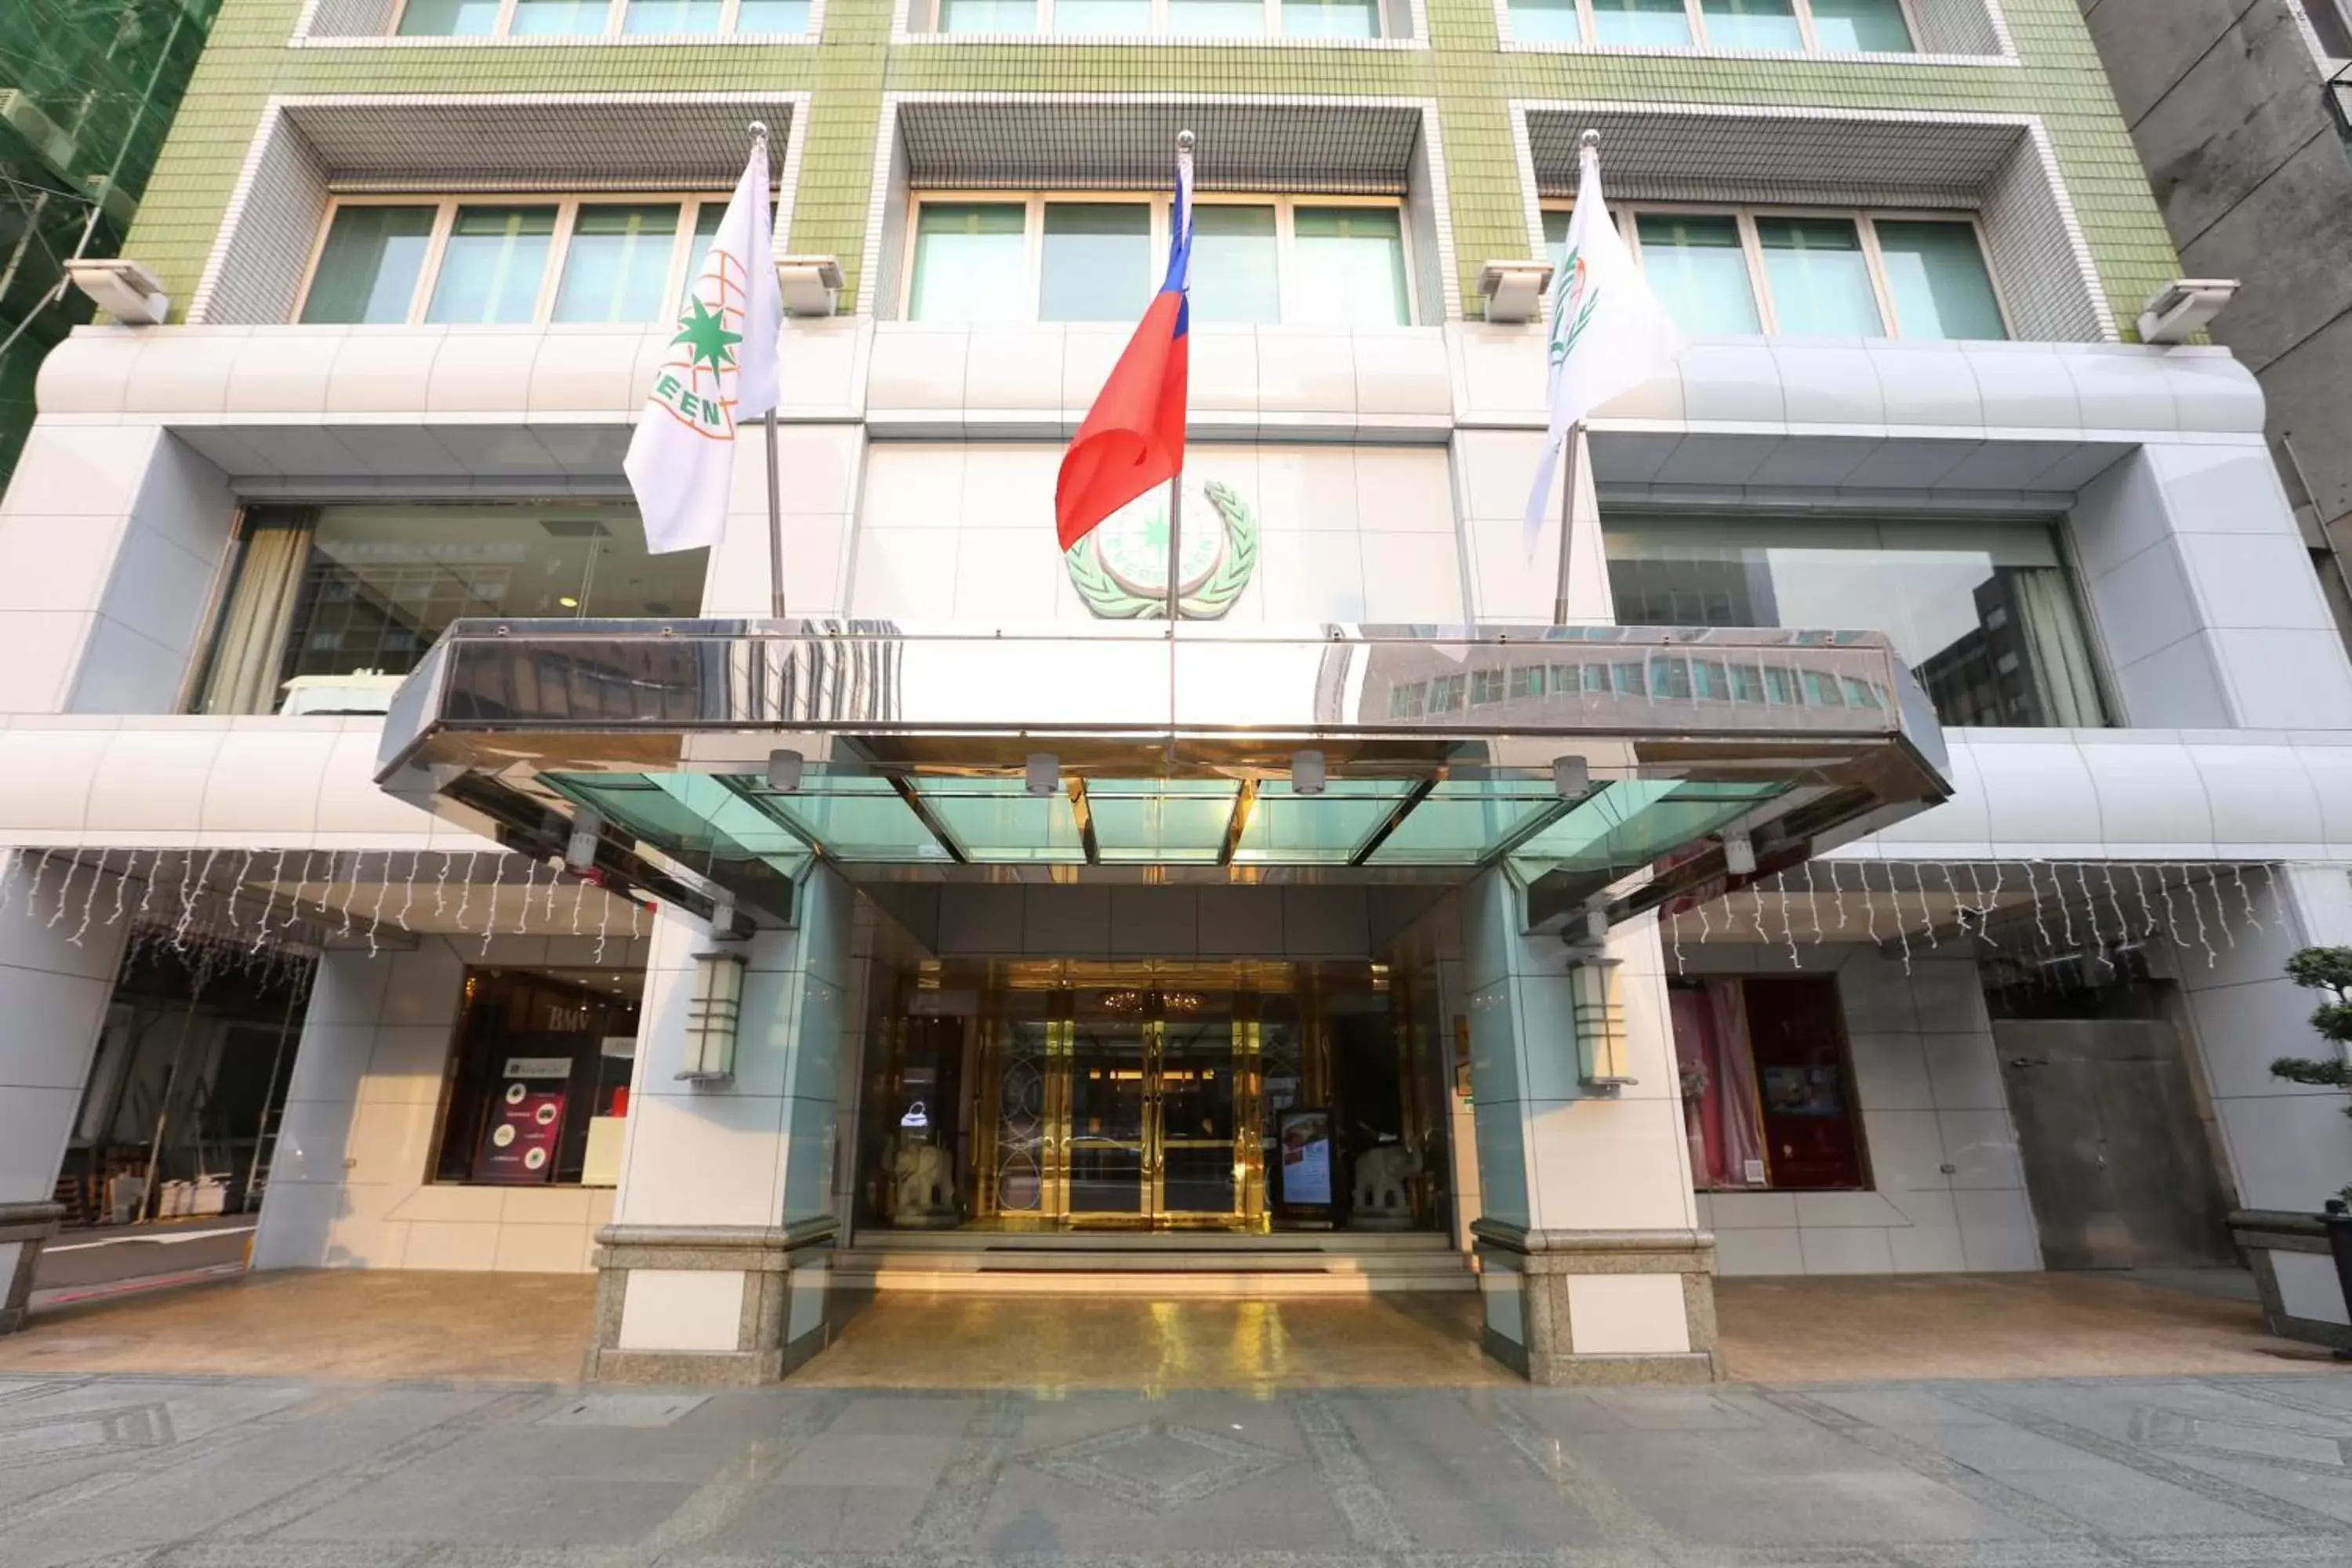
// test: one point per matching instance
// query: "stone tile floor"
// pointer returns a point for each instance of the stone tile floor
(219, 1472)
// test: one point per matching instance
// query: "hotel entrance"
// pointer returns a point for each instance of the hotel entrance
(1070, 1095)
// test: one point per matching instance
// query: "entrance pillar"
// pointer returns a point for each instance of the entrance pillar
(1594, 1268)
(717, 1266)
(53, 992)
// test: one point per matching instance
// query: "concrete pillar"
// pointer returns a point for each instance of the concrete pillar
(53, 992)
(717, 1264)
(1595, 1267)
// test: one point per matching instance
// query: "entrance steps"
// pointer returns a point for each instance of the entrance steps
(1155, 1263)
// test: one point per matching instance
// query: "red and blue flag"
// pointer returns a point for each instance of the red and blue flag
(1133, 437)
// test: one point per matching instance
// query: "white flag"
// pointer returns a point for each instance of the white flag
(1609, 333)
(720, 371)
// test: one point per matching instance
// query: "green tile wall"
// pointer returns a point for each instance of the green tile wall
(2060, 80)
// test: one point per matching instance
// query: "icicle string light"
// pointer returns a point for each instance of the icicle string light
(65, 887)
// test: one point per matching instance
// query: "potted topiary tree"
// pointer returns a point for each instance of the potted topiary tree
(2292, 1281)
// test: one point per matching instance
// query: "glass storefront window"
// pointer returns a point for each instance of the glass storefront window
(970, 263)
(1937, 275)
(1698, 269)
(492, 265)
(1097, 261)
(538, 1091)
(1767, 1096)
(618, 260)
(322, 595)
(1351, 266)
(1752, 24)
(367, 272)
(1818, 275)
(1982, 612)
(1236, 264)
(1872, 27)
(1659, 23)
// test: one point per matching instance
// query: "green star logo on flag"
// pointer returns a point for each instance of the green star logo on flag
(706, 337)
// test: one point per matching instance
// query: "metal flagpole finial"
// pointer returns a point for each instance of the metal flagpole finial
(1590, 141)
(1183, 141)
(760, 130)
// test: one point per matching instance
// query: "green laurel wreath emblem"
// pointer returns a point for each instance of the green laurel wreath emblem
(1110, 602)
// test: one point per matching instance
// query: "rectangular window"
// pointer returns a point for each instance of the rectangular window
(1097, 262)
(1752, 24)
(1123, 18)
(1936, 279)
(368, 270)
(461, 262)
(597, 18)
(970, 263)
(1216, 18)
(1351, 267)
(492, 265)
(1819, 278)
(559, 18)
(1331, 18)
(1236, 272)
(1860, 26)
(1046, 258)
(615, 267)
(450, 18)
(1734, 273)
(539, 1089)
(1982, 612)
(1766, 1091)
(987, 16)
(672, 17)
(1698, 269)
(327, 607)
(1823, 26)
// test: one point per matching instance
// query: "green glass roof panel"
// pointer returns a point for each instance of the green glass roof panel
(1286, 828)
(852, 817)
(1634, 822)
(1465, 820)
(685, 815)
(1161, 821)
(998, 822)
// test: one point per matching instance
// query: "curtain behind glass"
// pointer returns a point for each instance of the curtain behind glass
(2061, 660)
(250, 643)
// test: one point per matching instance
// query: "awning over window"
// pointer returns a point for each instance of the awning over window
(1581, 758)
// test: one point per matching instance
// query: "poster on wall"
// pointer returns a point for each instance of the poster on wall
(526, 1123)
(1307, 1158)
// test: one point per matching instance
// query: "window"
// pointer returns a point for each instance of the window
(1821, 26)
(1982, 612)
(586, 260)
(1051, 258)
(1809, 275)
(599, 19)
(539, 1092)
(1768, 1094)
(327, 607)
(1171, 18)
(2331, 24)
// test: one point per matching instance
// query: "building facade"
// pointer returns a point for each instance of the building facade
(1886, 863)
(2258, 203)
(87, 97)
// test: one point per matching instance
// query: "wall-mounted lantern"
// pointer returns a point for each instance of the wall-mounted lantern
(714, 1012)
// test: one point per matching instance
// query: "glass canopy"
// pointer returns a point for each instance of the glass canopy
(1422, 822)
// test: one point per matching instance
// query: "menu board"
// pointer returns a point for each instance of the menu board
(526, 1124)
(1305, 1137)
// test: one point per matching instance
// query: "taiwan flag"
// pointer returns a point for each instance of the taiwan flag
(1133, 438)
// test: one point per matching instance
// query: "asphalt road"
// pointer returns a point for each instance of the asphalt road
(181, 1472)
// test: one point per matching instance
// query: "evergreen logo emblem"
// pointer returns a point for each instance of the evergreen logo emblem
(696, 383)
(1120, 569)
(1573, 301)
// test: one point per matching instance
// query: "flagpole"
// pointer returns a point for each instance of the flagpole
(1176, 484)
(775, 477)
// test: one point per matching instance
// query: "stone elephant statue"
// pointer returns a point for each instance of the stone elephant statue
(922, 1180)
(1384, 1196)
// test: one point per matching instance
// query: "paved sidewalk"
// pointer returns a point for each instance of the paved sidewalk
(223, 1473)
